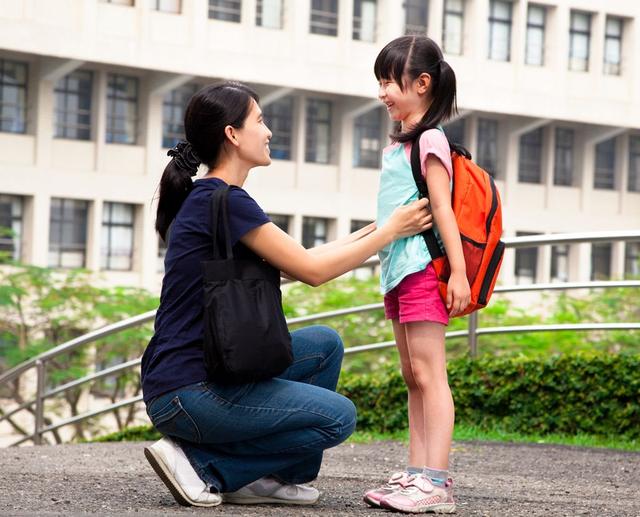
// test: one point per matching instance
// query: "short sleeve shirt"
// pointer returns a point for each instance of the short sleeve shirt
(174, 356)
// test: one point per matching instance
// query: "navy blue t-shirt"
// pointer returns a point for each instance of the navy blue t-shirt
(174, 356)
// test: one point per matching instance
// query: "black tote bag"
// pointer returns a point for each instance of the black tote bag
(245, 332)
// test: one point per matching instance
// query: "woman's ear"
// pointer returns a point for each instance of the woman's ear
(423, 82)
(230, 133)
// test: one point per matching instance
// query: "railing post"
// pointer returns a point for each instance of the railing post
(473, 335)
(37, 435)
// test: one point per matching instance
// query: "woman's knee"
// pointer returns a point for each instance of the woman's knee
(325, 340)
(343, 420)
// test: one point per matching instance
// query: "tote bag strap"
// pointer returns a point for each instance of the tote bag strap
(219, 210)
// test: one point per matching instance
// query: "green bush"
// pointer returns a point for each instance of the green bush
(594, 394)
(597, 394)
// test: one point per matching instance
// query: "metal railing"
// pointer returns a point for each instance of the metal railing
(472, 333)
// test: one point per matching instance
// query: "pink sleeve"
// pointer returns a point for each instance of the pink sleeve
(434, 142)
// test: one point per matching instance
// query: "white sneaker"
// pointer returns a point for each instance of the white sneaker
(270, 490)
(174, 469)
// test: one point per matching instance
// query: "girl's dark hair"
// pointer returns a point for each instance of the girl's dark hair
(411, 56)
(209, 111)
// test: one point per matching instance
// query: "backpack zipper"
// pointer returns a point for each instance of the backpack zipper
(491, 272)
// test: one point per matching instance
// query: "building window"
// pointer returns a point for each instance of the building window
(455, 131)
(11, 215)
(318, 131)
(500, 18)
(526, 262)
(315, 231)
(632, 259)
(162, 253)
(173, 108)
(535, 35)
(579, 40)
(122, 109)
(600, 261)
(324, 17)
(68, 233)
(560, 263)
(488, 145)
(357, 224)
(416, 17)
(634, 164)
(13, 96)
(278, 115)
(563, 158)
(269, 14)
(281, 221)
(73, 105)
(367, 139)
(613, 46)
(605, 172)
(364, 20)
(118, 2)
(168, 6)
(530, 160)
(452, 26)
(225, 10)
(117, 236)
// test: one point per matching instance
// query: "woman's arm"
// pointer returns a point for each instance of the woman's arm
(458, 291)
(352, 237)
(283, 252)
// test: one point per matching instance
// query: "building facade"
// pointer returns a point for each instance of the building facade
(92, 93)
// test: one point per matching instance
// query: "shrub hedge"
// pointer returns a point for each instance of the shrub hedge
(596, 393)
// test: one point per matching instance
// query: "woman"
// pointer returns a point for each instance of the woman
(254, 442)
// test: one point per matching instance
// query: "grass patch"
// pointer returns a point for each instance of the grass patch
(468, 433)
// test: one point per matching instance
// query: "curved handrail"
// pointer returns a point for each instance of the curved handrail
(473, 332)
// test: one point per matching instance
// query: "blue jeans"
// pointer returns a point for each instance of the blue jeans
(235, 434)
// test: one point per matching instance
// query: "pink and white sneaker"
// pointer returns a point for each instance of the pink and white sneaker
(421, 496)
(397, 481)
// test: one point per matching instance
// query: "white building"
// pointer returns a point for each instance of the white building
(92, 93)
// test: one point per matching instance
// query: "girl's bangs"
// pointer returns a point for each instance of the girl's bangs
(390, 64)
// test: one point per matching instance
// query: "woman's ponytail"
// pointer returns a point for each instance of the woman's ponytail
(175, 184)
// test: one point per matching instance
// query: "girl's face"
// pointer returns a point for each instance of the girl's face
(404, 105)
(253, 138)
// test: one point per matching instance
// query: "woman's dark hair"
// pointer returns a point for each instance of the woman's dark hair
(410, 56)
(209, 111)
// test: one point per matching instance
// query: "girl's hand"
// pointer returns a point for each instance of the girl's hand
(458, 293)
(410, 219)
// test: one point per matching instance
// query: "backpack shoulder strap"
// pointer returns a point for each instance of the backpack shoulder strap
(416, 169)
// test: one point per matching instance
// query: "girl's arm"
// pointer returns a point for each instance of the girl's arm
(458, 291)
(283, 252)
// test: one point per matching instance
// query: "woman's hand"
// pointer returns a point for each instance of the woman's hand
(458, 293)
(410, 219)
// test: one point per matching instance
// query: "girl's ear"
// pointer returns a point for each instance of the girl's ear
(423, 82)
(230, 133)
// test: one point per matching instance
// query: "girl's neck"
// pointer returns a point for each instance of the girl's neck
(414, 118)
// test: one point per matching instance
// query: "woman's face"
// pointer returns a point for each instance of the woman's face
(253, 138)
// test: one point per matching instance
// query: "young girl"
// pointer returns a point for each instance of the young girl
(419, 89)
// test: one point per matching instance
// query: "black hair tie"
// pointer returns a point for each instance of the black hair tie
(185, 157)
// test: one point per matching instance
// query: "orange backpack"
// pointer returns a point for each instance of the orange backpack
(478, 211)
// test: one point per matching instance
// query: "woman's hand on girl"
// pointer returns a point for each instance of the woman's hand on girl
(408, 220)
(458, 293)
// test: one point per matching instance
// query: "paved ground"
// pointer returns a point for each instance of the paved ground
(491, 479)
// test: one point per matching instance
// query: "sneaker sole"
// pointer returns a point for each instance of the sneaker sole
(371, 502)
(436, 508)
(249, 499)
(155, 460)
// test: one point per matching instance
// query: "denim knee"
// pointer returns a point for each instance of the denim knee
(344, 420)
(328, 341)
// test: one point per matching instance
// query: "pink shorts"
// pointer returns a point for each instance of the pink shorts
(416, 298)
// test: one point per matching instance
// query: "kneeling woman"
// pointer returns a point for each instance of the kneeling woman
(255, 442)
